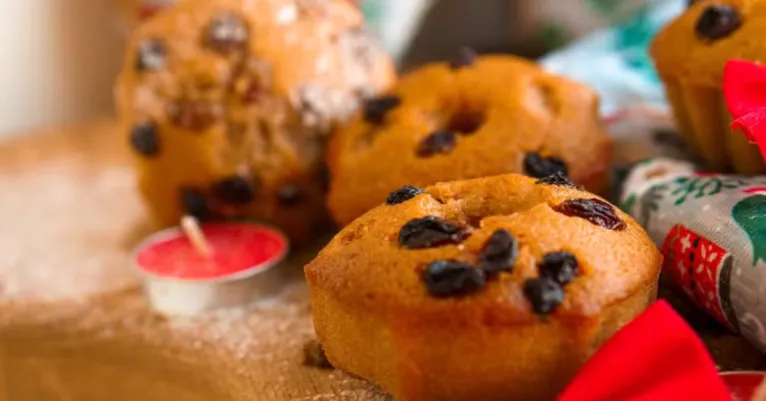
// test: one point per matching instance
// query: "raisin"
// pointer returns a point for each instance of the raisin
(289, 195)
(437, 142)
(560, 266)
(403, 194)
(145, 140)
(194, 115)
(226, 33)
(594, 210)
(465, 57)
(151, 55)
(449, 278)
(314, 355)
(557, 179)
(537, 166)
(375, 109)
(717, 22)
(194, 204)
(544, 294)
(235, 190)
(431, 231)
(499, 252)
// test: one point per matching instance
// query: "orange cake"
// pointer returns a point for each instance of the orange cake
(227, 105)
(468, 118)
(690, 54)
(488, 289)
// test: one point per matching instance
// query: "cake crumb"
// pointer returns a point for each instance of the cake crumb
(314, 356)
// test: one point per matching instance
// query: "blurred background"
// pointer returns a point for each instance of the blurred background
(66, 53)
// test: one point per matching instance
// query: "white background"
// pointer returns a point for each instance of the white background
(58, 59)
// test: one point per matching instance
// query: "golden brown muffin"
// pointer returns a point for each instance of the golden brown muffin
(469, 118)
(496, 288)
(690, 54)
(228, 103)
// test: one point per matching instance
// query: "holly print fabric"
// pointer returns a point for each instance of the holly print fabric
(712, 231)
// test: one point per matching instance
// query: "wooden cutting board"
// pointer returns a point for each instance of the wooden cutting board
(70, 217)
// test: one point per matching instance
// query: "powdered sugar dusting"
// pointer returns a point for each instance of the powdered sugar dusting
(254, 332)
(67, 241)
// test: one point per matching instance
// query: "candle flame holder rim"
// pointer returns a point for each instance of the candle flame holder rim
(743, 372)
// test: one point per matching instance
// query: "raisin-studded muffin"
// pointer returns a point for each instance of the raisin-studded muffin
(495, 288)
(690, 54)
(468, 118)
(227, 105)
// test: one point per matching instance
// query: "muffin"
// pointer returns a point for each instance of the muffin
(690, 54)
(228, 104)
(471, 117)
(487, 289)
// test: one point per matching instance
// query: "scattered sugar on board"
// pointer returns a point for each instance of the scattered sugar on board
(254, 332)
(69, 244)
(347, 395)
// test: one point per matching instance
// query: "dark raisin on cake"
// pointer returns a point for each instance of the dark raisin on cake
(145, 140)
(717, 22)
(194, 204)
(499, 253)
(538, 166)
(594, 210)
(449, 278)
(235, 190)
(376, 109)
(557, 179)
(560, 266)
(544, 294)
(431, 231)
(403, 194)
(435, 143)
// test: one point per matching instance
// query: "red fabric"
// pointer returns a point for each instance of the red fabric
(657, 357)
(744, 89)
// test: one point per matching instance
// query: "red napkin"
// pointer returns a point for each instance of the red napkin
(657, 357)
(744, 89)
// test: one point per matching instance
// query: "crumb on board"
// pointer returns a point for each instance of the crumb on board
(314, 356)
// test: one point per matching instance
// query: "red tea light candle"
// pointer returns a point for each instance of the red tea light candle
(746, 386)
(198, 268)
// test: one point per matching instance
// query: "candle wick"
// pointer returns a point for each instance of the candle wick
(191, 228)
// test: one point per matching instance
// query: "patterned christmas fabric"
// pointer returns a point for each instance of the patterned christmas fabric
(712, 231)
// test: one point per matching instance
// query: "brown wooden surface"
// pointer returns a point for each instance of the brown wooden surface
(72, 313)
(66, 196)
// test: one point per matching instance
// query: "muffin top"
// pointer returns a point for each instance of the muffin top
(695, 47)
(472, 117)
(228, 105)
(316, 55)
(496, 249)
